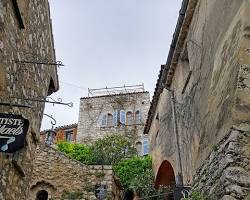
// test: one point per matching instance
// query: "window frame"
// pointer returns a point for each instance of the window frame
(123, 117)
(139, 121)
(145, 145)
(132, 118)
(71, 133)
(111, 121)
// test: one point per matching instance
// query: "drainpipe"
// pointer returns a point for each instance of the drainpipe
(179, 178)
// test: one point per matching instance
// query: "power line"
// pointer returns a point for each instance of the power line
(73, 85)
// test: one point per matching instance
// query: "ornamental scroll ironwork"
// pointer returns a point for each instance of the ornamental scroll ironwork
(57, 63)
(50, 134)
(46, 100)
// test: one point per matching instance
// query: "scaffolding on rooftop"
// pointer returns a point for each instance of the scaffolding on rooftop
(115, 90)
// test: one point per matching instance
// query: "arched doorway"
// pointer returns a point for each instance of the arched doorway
(42, 195)
(166, 177)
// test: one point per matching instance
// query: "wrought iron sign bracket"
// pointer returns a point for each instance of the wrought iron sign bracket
(46, 100)
(15, 105)
(57, 63)
(52, 121)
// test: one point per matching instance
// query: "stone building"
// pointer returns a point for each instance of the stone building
(62, 133)
(198, 122)
(119, 110)
(56, 176)
(26, 41)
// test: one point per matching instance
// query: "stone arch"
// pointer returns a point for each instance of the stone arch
(138, 146)
(42, 195)
(41, 187)
(110, 120)
(165, 175)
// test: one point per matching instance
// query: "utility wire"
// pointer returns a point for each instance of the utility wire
(73, 85)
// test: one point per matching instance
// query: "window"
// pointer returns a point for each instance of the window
(103, 120)
(115, 118)
(109, 120)
(145, 146)
(139, 148)
(50, 138)
(69, 135)
(123, 117)
(137, 117)
(129, 118)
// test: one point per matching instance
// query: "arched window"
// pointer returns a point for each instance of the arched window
(42, 195)
(122, 117)
(109, 120)
(129, 118)
(139, 148)
(137, 117)
(103, 120)
(145, 146)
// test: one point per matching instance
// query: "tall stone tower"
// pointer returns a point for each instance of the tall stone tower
(118, 110)
(27, 74)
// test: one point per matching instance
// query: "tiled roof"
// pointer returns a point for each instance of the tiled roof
(64, 127)
(167, 71)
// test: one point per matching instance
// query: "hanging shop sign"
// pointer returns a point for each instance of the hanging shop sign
(13, 130)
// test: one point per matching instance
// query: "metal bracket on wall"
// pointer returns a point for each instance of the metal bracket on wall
(52, 121)
(15, 105)
(57, 63)
(46, 100)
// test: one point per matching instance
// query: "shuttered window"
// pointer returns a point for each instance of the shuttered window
(103, 120)
(145, 146)
(137, 117)
(115, 118)
(123, 117)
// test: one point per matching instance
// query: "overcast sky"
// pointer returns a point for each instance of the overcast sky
(108, 43)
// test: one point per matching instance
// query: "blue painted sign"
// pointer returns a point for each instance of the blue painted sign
(13, 131)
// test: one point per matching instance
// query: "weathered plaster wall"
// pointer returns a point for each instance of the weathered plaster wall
(56, 173)
(216, 53)
(33, 43)
(91, 110)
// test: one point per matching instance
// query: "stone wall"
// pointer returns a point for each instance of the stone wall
(55, 173)
(92, 108)
(31, 42)
(211, 89)
(225, 174)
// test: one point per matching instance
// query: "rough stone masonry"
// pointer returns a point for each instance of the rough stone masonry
(58, 175)
(25, 35)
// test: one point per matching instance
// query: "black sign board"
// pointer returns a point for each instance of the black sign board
(13, 130)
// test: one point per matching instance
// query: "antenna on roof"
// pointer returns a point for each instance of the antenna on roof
(115, 90)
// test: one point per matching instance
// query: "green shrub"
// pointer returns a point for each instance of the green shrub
(66, 195)
(195, 195)
(105, 151)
